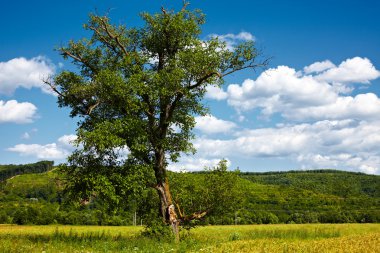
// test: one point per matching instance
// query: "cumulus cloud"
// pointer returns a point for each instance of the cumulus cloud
(14, 112)
(216, 93)
(355, 70)
(345, 144)
(266, 142)
(318, 67)
(299, 96)
(278, 88)
(362, 106)
(55, 151)
(211, 125)
(48, 151)
(67, 141)
(25, 73)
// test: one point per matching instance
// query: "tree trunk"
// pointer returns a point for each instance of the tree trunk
(167, 208)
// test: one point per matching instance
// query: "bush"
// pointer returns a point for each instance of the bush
(158, 230)
(4, 218)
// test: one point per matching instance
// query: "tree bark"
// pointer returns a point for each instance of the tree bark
(167, 208)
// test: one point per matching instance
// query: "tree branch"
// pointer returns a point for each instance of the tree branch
(264, 64)
(52, 86)
(102, 38)
(150, 112)
(179, 210)
(151, 118)
(114, 37)
(173, 106)
(185, 4)
(80, 101)
(92, 107)
(163, 10)
(78, 58)
(195, 216)
(204, 78)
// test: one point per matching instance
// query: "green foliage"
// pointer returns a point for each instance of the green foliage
(39, 199)
(159, 231)
(222, 193)
(334, 182)
(137, 91)
(216, 192)
(117, 186)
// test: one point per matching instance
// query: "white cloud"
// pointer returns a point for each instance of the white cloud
(14, 112)
(54, 151)
(299, 97)
(344, 144)
(67, 141)
(369, 170)
(355, 70)
(187, 163)
(318, 67)
(25, 73)
(216, 93)
(362, 106)
(48, 151)
(266, 142)
(279, 89)
(240, 36)
(211, 125)
(232, 40)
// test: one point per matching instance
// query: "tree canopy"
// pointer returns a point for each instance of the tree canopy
(136, 92)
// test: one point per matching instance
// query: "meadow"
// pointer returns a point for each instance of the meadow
(242, 238)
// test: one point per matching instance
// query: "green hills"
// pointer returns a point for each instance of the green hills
(33, 194)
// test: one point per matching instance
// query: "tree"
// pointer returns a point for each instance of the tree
(215, 191)
(137, 91)
(222, 190)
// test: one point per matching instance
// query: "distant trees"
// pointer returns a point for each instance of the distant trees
(8, 171)
(228, 197)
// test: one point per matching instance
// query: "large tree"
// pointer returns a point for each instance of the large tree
(136, 93)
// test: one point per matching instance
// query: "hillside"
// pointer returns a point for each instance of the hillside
(8, 171)
(273, 197)
(325, 195)
(340, 183)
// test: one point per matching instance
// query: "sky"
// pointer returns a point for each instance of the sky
(317, 104)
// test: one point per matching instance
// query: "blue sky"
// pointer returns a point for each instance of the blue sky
(316, 106)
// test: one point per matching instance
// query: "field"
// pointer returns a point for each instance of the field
(249, 238)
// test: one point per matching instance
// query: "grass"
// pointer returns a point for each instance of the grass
(250, 238)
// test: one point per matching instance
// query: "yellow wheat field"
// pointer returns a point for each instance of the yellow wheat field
(319, 238)
(367, 243)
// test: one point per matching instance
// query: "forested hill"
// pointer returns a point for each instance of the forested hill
(11, 170)
(335, 182)
(35, 196)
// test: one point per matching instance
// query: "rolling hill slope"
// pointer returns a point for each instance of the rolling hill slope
(327, 196)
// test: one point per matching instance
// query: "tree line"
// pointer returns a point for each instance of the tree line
(8, 171)
(230, 197)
